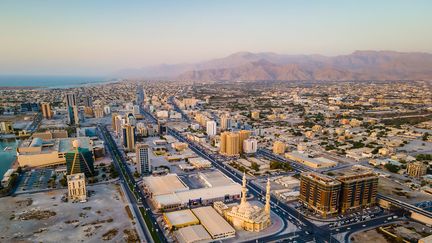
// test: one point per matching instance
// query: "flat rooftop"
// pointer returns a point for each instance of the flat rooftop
(183, 197)
(357, 176)
(166, 184)
(194, 233)
(320, 178)
(215, 178)
(213, 222)
(182, 217)
(318, 161)
(65, 144)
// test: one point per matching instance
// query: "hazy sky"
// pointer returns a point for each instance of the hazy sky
(92, 37)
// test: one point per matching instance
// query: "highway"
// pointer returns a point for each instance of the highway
(307, 230)
(146, 219)
(320, 234)
(405, 205)
(176, 108)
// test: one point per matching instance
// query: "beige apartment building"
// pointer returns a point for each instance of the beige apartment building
(77, 187)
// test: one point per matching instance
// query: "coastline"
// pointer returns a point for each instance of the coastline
(51, 82)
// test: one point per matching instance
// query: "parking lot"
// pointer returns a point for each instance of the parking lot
(35, 180)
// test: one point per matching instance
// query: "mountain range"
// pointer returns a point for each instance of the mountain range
(247, 66)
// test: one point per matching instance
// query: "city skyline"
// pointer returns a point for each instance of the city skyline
(100, 38)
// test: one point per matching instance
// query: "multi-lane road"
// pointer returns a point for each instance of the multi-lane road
(146, 219)
(307, 230)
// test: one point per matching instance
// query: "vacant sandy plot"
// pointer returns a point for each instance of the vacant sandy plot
(368, 236)
(401, 192)
(43, 217)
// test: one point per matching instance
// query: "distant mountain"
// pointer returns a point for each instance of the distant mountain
(246, 66)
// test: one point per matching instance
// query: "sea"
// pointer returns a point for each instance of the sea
(7, 157)
(50, 81)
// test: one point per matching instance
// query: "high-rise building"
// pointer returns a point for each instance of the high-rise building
(46, 110)
(128, 137)
(88, 101)
(76, 115)
(232, 144)
(98, 111)
(278, 147)
(71, 99)
(211, 128)
(416, 169)
(243, 135)
(136, 109)
(250, 146)
(6, 127)
(80, 160)
(143, 160)
(201, 119)
(359, 190)
(77, 187)
(223, 141)
(118, 125)
(107, 109)
(73, 115)
(320, 193)
(225, 122)
(255, 115)
(88, 112)
(130, 119)
(113, 120)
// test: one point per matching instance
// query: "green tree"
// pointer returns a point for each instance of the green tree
(63, 181)
(255, 166)
(425, 136)
(392, 168)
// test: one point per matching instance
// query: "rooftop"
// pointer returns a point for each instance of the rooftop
(77, 176)
(215, 178)
(183, 197)
(167, 184)
(194, 233)
(66, 144)
(181, 217)
(213, 221)
(320, 178)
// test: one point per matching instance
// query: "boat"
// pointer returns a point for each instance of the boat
(7, 148)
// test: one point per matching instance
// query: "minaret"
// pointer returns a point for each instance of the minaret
(267, 205)
(244, 190)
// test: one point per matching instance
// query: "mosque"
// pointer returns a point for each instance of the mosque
(246, 216)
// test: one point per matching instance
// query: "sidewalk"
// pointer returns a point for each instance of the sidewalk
(139, 231)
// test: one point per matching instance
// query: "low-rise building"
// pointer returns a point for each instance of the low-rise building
(192, 234)
(417, 169)
(215, 224)
(77, 187)
(306, 159)
(278, 147)
(39, 153)
(179, 219)
(199, 163)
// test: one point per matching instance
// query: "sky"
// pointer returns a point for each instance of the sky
(97, 37)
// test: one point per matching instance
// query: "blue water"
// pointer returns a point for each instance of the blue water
(7, 157)
(48, 81)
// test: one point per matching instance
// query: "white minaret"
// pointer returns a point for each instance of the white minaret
(267, 205)
(244, 190)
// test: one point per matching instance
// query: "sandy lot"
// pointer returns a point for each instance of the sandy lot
(369, 236)
(401, 192)
(43, 217)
